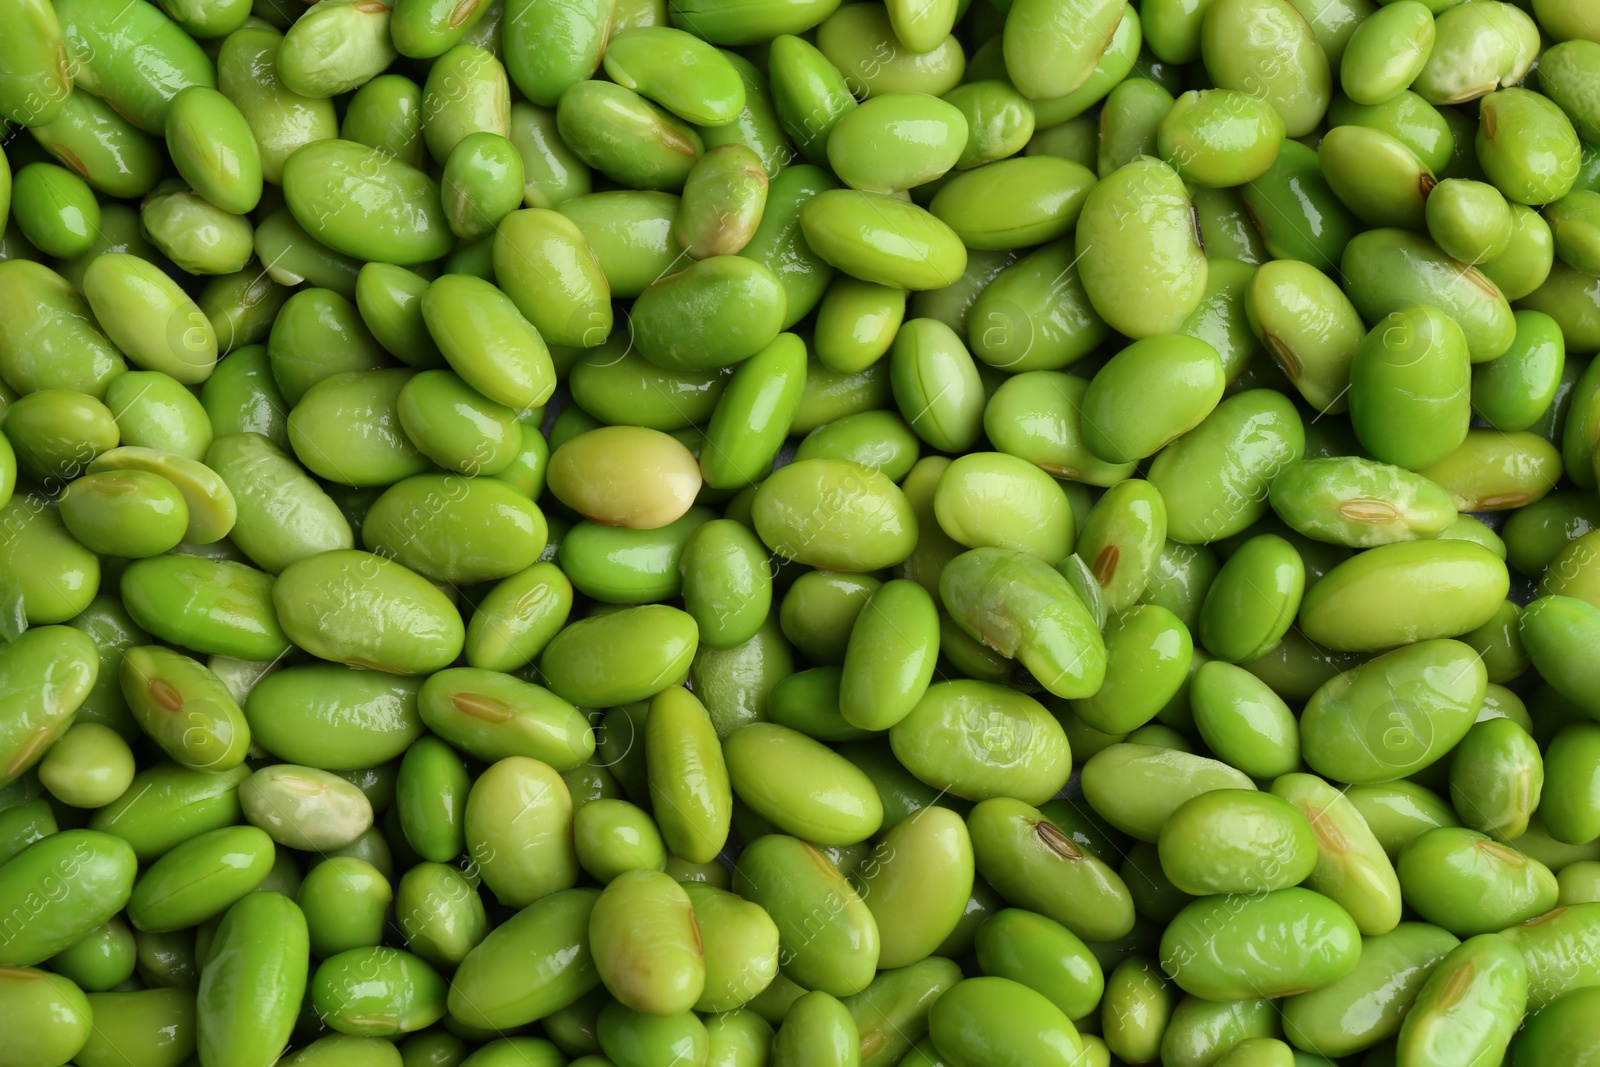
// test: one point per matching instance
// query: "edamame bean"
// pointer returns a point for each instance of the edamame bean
(213, 606)
(613, 837)
(1038, 866)
(556, 280)
(55, 209)
(253, 980)
(1392, 971)
(333, 717)
(1508, 887)
(1215, 478)
(1496, 778)
(1194, 376)
(1296, 211)
(579, 664)
(894, 1009)
(49, 339)
(1036, 617)
(693, 808)
(327, 602)
(491, 716)
(1360, 503)
(150, 318)
(877, 238)
(553, 934)
(519, 830)
(1220, 137)
(997, 1020)
(377, 992)
(630, 233)
(65, 885)
(740, 943)
(646, 916)
(625, 476)
(1243, 720)
(754, 414)
(185, 708)
(1478, 581)
(834, 804)
(1204, 948)
(199, 879)
(53, 1015)
(38, 79)
(1309, 327)
(834, 948)
(304, 807)
(346, 902)
(100, 960)
(1135, 787)
(553, 48)
(477, 529)
(1466, 1007)
(168, 804)
(1236, 841)
(1420, 716)
(1139, 255)
(1252, 600)
(1269, 51)
(1148, 656)
(88, 767)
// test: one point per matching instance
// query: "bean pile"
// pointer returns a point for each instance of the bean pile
(726, 533)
